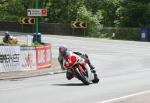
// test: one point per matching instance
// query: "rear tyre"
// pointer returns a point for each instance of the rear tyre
(69, 74)
(82, 77)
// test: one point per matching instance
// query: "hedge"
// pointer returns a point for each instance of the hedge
(121, 33)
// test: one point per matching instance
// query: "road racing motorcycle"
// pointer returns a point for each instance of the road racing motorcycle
(76, 65)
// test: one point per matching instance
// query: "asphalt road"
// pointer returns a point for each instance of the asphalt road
(123, 68)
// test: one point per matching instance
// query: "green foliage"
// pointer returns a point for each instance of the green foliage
(98, 13)
(93, 21)
(133, 14)
(11, 10)
(108, 8)
(121, 33)
(63, 11)
(37, 44)
(127, 34)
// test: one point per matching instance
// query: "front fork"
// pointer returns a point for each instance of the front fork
(89, 74)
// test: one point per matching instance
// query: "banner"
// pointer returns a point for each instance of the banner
(9, 58)
(28, 58)
(43, 56)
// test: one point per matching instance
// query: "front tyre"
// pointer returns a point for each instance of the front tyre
(96, 79)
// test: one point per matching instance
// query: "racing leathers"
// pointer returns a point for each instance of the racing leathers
(6, 38)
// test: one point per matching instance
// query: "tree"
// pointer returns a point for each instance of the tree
(63, 11)
(93, 21)
(3, 1)
(133, 13)
(107, 7)
(11, 10)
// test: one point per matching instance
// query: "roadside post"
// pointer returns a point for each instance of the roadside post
(36, 20)
(36, 13)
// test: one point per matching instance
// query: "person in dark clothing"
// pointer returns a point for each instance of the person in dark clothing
(7, 37)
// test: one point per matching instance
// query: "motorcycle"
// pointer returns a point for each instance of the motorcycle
(76, 64)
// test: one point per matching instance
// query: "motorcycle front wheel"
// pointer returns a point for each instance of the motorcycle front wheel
(96, 79)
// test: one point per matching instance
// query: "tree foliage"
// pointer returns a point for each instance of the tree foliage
(11, 10)
(123, 13)
(133, 13)
(93, 21)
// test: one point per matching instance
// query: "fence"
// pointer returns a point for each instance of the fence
(47, 28)
(64, 29)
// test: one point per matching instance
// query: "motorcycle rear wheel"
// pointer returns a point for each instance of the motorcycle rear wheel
(82, 77)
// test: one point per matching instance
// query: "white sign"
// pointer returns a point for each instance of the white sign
(9, 58)
(36, 12)
(143, 35)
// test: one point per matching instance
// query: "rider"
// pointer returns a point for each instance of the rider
(7, 37)
(62, 53)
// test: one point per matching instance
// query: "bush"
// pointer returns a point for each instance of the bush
(93, 21)
(121, 33)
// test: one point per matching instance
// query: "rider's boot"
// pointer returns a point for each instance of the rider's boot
(96, 79)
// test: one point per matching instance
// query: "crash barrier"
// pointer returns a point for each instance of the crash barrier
(24, 58)
(9, 58)
(28, 58)
(43, 57)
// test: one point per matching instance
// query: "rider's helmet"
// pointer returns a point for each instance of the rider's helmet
(6, 33)
(62, 50)
(11, 38)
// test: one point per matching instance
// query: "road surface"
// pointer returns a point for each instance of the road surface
(123, 68)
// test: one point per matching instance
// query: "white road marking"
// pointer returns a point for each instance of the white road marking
(10, 88)
(147, 69)
(125, 97)
(57, 72)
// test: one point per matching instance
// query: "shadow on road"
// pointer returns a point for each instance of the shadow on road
(70, 84)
